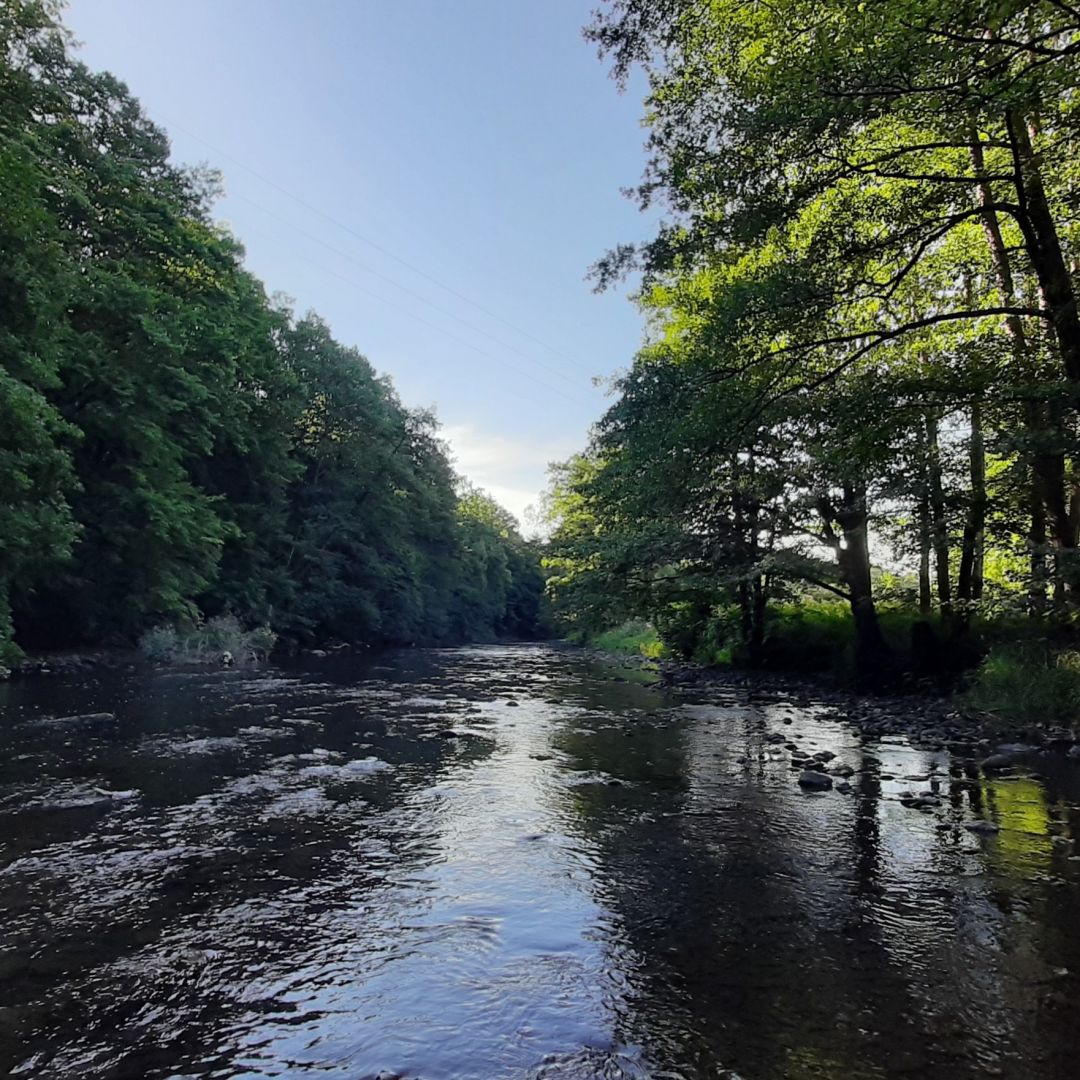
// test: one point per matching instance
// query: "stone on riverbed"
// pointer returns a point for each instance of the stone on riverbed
(815, 781)
(921, 802)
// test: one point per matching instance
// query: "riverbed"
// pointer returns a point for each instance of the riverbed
(517, 862)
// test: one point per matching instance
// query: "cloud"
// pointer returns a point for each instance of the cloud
(513, 471)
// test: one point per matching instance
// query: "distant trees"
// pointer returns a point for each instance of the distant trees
(863, 312)
(173, 444)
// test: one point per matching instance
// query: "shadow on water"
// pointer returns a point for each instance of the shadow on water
(515, 861)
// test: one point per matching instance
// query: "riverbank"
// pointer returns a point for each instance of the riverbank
(73, 662)
(934, 722)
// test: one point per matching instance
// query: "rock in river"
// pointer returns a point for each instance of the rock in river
(815, 781)
(983, 828)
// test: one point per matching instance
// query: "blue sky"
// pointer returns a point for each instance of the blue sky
(388, 161)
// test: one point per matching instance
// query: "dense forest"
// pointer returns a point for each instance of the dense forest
(855, 415)
(175, 446)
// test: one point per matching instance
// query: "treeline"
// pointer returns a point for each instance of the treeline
(861, 375)
(174, 445)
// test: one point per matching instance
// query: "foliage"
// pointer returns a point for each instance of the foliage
(220, 640)
(175, 446)
(862, 368)
(635, 637)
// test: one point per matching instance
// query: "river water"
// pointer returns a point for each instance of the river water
(514, 862)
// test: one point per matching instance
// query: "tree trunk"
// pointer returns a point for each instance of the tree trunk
(1037, 508)
(852, 549)
(1037, 461)
(969, 581)
(759, 601)
(939, 530)
(925, 595)
(1043, 246)
(746, 614)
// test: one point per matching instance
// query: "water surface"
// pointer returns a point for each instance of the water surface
(514, 862)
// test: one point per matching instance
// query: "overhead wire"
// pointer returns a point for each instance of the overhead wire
(373, 243)
(405, 289)
(441, 330)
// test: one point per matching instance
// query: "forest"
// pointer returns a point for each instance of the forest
(851, 436)
(175, 445)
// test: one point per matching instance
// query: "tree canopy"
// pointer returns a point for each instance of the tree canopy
(864, 337)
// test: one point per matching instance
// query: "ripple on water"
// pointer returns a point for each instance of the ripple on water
(604, 879)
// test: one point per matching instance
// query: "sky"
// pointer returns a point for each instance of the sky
(433, 177)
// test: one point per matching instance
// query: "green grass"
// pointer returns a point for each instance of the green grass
(634, 637)
(1030, 683)
(811, 637)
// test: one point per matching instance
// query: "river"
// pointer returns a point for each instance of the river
(514, 862)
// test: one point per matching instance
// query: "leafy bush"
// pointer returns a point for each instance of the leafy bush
(162, 644)
(682, 625)
(632, 637)
(816, 637)
(218, 640)
(1031, 683)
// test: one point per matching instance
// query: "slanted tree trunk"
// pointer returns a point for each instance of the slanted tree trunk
(1037, 460)
(1042, 244)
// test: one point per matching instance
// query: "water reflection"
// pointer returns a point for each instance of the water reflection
(515, 862)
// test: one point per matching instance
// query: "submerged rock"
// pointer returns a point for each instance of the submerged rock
(815, 781)
(921, 802)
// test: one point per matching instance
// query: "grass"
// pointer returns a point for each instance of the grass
(635, 637)
(1029, 682)
(219, 640)
(810, 637)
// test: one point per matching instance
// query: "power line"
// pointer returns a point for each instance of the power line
(410, 292)
(417, 318)
(374, 244)
(49, 164)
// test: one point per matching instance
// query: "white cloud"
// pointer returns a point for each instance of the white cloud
(513, 471)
